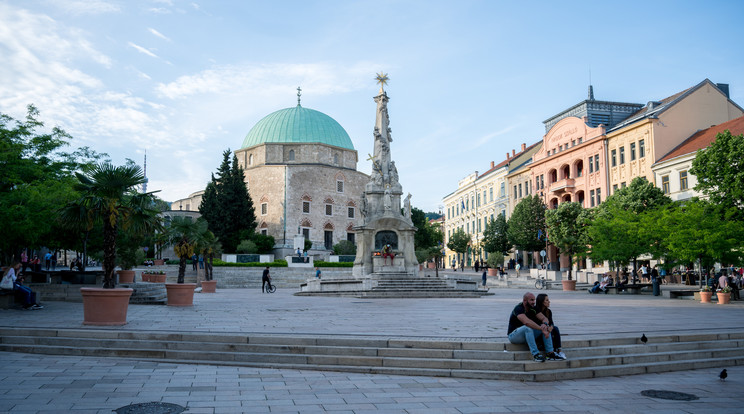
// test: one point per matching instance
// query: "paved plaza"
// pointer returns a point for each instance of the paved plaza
(56, 384)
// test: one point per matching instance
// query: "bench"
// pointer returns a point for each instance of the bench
(634, 288)
(7, 299)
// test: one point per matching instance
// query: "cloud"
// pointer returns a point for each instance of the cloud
(142, 49)
(158, 34)
(81, 7)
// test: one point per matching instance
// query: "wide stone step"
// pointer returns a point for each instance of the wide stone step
(400, 356)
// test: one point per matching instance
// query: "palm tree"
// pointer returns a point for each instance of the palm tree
(209, 247)
(109, 194)
(186, 235)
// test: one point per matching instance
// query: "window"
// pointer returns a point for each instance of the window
(599, 196)
(478, 200)
(591, 197)
(328, 239)
(622, 155)
(250, 159)
(264, 208)
(329, 209)
(641, 148)
(339, 186)
(351, 237)
(479, 226)
(515, 191)
(665, 184)
(683, 180)
(291, 155)
(335, 159)
(632, 151)
(542, 181)
(580, 139)
(467, 227)
(537, 182)
(490, 194)
(614, 188)
(591, 165)
(485, 200)
(520, 190)
(573, 142)
(351, 212)
(613, 158)
(623, 185)
(306, 234)
(306, 207)
(560, 148)
(596, 163)
(265, 232)
(503, 190)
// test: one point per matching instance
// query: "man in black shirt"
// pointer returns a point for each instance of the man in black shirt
(265, 278)
(526, 325)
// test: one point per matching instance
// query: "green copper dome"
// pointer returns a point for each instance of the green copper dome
(298, 125)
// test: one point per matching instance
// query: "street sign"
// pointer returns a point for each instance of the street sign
(542, 253)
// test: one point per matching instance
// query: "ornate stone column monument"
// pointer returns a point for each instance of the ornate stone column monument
(383, 222)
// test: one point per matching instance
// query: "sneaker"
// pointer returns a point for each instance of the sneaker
(555, 356)
(561, 354)
(35, 307)
(538, 358)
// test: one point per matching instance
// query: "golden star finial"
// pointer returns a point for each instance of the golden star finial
(382, 79)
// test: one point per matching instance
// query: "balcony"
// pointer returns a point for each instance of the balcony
(566, 184)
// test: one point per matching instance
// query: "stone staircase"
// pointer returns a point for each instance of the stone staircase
(147, 293)
(441, 357)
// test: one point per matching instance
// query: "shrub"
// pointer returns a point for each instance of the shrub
(263, 243)
(320, 263)
(247, 246)
(495, 260)
(344, 248)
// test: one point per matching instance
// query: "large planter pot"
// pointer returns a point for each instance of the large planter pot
(209, 286)
(105, 307)
(158, 262)
(126, 276)
(180, 294)
(148, 277)
(705, 297)
(569, 284)
(493, 272)
(723, 298)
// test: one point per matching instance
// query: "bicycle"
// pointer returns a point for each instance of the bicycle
(541, 283)
(270, 288)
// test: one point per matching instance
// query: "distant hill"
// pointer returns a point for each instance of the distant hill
(433, 216)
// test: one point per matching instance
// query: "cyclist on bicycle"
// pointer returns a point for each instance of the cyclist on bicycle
(266, 278)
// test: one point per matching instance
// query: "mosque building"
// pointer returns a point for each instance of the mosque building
(301, 173)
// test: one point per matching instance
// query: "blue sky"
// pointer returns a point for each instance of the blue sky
(469, 80)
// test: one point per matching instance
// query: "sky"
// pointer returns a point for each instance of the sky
(184, 81)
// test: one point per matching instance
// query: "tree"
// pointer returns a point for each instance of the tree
(640, 196)
(696, 232)
(459, 241)
(109, 195)
(566, 227)
(36, 177)
(186, 235)
(527, 224)
(344, 247)
(496, 236)
(226, 205)
(720, 172)
(426, 235)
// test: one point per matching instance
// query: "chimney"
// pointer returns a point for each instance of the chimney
(524, 146)
(514, 153)
(724, 87)
(507, 155)
(492, 164)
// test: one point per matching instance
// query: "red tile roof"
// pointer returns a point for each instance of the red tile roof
(705, 137)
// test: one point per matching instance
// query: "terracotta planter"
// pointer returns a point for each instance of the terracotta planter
(569, 284)
(493, 272)
(180, 294)
(126, 276)
(209, 286)
(723, 298)
(105, 307)
(149, 277)
(705, 297)
(158, 262)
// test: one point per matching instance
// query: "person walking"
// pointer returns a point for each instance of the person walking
(194, 260)
(655, 281)
(265, 278)
(317, 273)
(484, 279)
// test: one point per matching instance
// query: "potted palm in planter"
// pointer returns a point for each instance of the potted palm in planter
(185, 235)
(210, 246)
(108, 195)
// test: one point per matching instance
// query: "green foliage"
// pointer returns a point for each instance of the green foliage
(320, 263)
(264, 243)
(526, 222)
(36, 177)
(459, 241)
(496, 236)
(226, 205)
(308, 245)
(719, 171)
(247, 246)
(426, 235)
(344, 247)
(188, 237)
(275, 263)
(109, 195)
(567, 226)
(640, 196)
(495, 260)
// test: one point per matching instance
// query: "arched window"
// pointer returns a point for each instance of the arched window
(250, 159)
(291, 156)
(335, 159)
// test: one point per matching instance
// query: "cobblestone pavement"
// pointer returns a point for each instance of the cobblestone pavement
(57, 384)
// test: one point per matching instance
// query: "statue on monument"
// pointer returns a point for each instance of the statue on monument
(388, 199)
(407, 206)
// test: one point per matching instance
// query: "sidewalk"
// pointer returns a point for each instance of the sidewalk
(53, 384)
